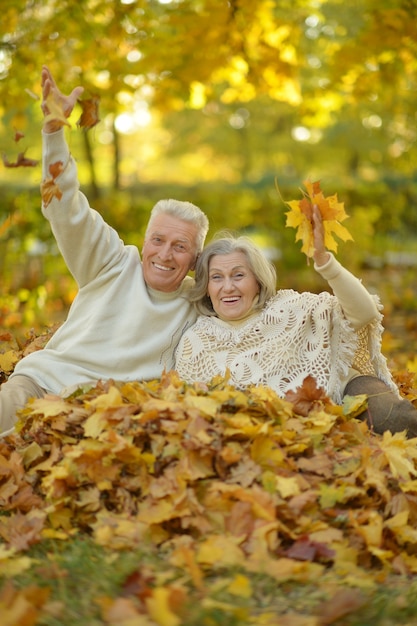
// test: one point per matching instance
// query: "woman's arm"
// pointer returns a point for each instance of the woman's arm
(358, 305)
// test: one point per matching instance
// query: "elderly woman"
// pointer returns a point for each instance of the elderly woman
(261, 336)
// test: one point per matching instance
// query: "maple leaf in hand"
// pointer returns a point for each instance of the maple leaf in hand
(55, 112)
(332, 211)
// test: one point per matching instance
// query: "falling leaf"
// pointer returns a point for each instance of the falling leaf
(89, 116)
(332, 211)
(18, 135)
(21, 161)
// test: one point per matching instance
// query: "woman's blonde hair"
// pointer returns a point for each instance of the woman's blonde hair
(226, 243)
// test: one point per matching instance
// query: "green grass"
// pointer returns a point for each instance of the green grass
(80, 574)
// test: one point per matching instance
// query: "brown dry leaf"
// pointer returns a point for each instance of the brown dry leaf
(90, 114)
(21, 161)
(332, 212)
(307, 397)
(219, 477)
(20, 531)
(55, 169)
(22, 607)
(18, 135)
(49, 186)
(122, 611)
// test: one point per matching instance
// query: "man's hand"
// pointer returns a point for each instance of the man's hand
(56, 106)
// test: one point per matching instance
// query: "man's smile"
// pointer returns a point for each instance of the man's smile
(164, 268)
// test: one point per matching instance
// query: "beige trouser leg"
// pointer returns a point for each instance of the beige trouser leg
(385, 410)
(14, 394)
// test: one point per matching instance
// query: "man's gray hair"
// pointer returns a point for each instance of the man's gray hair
(186, 211)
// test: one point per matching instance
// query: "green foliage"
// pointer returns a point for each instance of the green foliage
(243, 96)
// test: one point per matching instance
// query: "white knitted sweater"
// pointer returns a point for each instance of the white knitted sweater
(295, 335)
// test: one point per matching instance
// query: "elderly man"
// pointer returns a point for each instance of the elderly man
(130, 309)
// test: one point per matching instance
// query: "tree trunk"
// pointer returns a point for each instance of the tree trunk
(95, 191)
(116, 162)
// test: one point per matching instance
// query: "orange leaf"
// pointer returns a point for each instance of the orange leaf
(304, 398)
(21, 161)
(89, 116)
(50, 190)
(332, 212)
(55, 169)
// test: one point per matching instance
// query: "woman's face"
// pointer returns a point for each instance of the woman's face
(232, 286)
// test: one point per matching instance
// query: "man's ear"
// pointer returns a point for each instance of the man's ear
(192, 266)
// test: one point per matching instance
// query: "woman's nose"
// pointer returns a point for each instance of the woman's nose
(228, 284)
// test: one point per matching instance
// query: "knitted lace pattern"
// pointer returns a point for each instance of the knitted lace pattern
(294, 336)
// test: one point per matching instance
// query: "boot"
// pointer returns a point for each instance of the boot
(385, 411)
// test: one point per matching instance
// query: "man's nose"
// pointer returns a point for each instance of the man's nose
(165, 252)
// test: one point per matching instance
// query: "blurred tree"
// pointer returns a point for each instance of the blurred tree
(240, 93)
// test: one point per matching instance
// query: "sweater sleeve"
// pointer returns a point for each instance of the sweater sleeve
(86, 242)
(359, 307)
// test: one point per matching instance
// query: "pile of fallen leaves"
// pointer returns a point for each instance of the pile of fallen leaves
(216, 478)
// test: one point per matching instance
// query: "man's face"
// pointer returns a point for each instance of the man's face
(169, 252)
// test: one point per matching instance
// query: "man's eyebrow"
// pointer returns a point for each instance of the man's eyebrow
(164, 236)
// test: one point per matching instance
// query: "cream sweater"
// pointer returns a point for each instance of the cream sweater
(331, 337)
(116, 327)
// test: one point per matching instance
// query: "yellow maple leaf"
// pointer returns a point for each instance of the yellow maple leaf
(49, 406)
(8, 360)
(159, 608)
(240, 586)
(332, 211)
(55, 111)
(400, 453)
